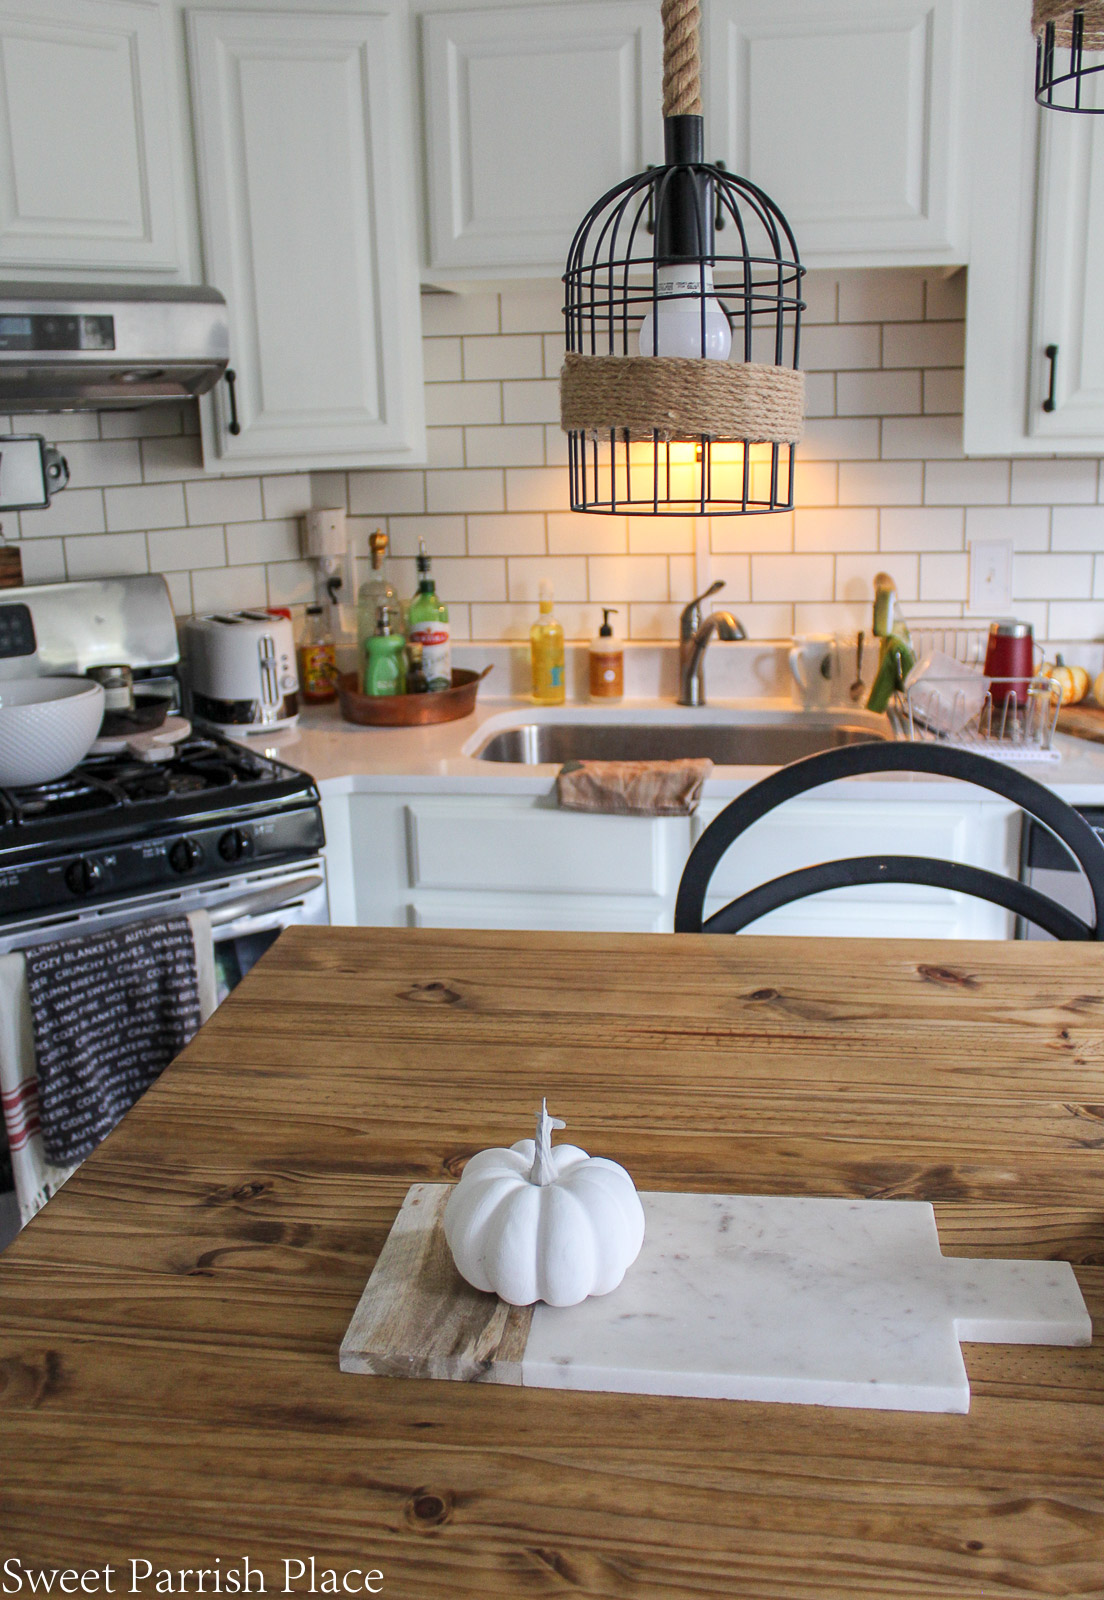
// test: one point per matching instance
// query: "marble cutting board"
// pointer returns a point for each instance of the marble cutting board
(819, 1302)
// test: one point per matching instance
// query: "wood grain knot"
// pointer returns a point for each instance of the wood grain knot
(431, 994)
(425, 1509)
(24, 1385)
(948, 977)
(763, 994)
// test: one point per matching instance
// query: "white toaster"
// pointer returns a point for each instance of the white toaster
(241, 670)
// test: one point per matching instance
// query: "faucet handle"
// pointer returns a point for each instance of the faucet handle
(691, 612)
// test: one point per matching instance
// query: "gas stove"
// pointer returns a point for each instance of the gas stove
(117, 826)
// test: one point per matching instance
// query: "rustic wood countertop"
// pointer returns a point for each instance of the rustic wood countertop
(169, 1326)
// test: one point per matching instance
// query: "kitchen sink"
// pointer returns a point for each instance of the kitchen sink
(750, 744)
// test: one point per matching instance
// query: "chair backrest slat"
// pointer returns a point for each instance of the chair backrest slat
(862, 759)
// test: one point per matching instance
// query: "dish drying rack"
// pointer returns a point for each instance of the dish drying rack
(1007, 723)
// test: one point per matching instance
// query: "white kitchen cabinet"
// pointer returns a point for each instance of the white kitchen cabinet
(533, 112)
(303, 149)
(848, 113)
(984, 834)
(458, 861)
(475, 861)
(1036, 264)
(88, 178)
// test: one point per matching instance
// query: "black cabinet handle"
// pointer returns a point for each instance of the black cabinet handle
(1050, 403)
(234, 425)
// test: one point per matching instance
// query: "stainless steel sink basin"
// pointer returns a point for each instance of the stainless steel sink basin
(752, 744)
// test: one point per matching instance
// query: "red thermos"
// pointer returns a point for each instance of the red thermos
(1010, 660)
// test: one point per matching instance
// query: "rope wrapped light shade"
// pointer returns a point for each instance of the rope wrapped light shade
(680, 392)
(1069, 38)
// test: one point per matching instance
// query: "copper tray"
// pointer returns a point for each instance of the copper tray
(410, 710)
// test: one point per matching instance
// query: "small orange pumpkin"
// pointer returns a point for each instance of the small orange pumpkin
(1072, 681)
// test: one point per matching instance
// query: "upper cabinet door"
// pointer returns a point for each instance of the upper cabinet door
(847, 113)
(532, 113)
(1069, 271)
(303, 152)
(86, 174)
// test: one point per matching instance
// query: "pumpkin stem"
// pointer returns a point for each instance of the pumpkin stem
(542, 1171)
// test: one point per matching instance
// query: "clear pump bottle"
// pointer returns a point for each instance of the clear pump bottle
(546, 651)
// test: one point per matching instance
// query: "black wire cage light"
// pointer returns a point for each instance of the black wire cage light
(1069, 54)
(680, 392)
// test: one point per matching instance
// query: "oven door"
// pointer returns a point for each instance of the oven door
(246, 923)
(247, 910)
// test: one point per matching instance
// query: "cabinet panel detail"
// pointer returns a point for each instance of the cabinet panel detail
(86, 177)
(1069, 258)
(846, 114)
(306, 232)
(535, 851)
(532, 112)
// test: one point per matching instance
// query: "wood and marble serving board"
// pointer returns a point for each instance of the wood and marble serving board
(819, 1302)
(1084, 722)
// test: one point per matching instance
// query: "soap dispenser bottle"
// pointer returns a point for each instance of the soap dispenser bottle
(607, 661)
(546, 652)
(385, 658)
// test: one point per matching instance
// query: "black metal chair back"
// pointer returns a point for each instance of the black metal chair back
(856, 760)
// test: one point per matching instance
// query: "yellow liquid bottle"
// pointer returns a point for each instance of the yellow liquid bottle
(546, 649)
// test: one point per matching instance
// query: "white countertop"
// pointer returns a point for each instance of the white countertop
(344, 758)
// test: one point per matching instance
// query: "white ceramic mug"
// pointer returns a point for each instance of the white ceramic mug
(815, 665)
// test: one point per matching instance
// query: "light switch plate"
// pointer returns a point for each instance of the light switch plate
(990, 577)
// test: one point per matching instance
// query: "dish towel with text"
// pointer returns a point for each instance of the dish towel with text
(109, 1012)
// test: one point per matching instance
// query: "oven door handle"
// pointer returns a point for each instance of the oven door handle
(263, 900)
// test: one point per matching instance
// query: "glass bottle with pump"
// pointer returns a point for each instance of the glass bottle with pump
(317, 659)
(427, 624)
(546, 651)
(374, 592)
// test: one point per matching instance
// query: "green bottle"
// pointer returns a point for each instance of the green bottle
(427, 624)
(384, 658)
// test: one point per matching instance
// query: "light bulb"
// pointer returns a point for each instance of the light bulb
(676, 329)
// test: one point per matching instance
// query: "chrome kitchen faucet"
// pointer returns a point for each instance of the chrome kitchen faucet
(695, 633)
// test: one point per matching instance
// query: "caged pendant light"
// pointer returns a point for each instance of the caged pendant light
(680, 392)
(1070, 52)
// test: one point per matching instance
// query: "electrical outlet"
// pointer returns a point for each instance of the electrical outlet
(990, 577)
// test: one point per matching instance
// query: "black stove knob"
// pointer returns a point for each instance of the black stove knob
(183, 855)
(82, 875)
(235, 844)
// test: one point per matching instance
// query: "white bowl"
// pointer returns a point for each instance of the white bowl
(46, 726)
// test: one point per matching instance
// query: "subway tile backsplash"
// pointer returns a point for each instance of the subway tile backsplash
(881, 482)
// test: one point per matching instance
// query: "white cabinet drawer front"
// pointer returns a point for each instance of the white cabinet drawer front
(536, 851)
(86, 176)
(846, 114)
(307, 232)
(802, 835)
(831, 916)
(547, 914)
(532, 113)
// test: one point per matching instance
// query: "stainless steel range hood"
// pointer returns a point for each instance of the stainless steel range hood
(78, 347)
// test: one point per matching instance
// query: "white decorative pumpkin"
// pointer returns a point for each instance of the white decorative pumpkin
(532, 1223)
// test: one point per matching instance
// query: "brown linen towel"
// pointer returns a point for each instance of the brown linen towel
(632, 788)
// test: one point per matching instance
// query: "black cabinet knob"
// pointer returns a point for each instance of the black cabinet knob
(82, 875)
(183, 855)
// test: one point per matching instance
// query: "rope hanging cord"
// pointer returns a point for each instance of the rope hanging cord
(1060, 12)
(681, 58)
(681, 398)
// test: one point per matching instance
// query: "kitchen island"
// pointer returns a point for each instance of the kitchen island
(169, 1324)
